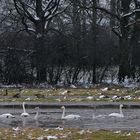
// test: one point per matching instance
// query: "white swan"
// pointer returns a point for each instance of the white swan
(98, 116)
(118, 115)
(69, 117)
(37, 113)
(24, 114)
(6, 115)
(36, 116)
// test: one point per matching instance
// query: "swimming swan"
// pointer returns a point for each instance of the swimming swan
(37, 113)
(69, 117)
(24, 114)
(6, 115)
(98, 116)
(118, 115)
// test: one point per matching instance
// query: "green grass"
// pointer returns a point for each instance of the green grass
(66, 134)
(71, 96)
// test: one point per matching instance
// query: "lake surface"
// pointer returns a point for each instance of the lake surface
(51, 118)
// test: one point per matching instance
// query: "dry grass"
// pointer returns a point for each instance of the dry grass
(71, 96)
(65, 134)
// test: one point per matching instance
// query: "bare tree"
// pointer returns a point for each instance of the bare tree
(124, 38)
(36, 16)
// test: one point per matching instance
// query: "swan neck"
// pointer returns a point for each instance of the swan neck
(121, 110)
(93, 116)
(23, 107)
(63, 114)
(36, 115)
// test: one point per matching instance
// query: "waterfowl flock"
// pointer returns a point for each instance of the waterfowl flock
(71, 117)
(65, 94)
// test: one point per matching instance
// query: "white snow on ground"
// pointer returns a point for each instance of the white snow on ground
(10, 86)
(84, 80)
(48, 138)
(128, 83)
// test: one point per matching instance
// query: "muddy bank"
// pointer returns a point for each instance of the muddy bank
(81, 105)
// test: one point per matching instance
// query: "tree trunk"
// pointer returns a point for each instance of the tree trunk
(83, 27)
(124, 65)
(37, 14)
(39, 44)
(40, 50)
(76, 29)
(94, 41)
(134, 42)
(112, 8)
(40, 59)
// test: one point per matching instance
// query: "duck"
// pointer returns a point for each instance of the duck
(6, 93)
(18, 94)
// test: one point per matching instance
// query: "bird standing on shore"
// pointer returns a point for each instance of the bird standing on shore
(6, 93)
(18, 94)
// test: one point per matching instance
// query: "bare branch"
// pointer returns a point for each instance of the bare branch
(58, 13)
(103, 10)
(117, 33)
(24, 10)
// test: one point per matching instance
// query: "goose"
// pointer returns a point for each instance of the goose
(64, 92)
(18, 94)
(104, 89)
(38, 95)
(6, 93)
(69, 117)
(118, 115)
(24, 114)
(116, 97)
(103, 96)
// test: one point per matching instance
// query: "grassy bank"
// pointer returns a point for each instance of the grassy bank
(70, 94)
(65, 134)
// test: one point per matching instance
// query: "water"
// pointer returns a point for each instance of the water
(51, 118)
